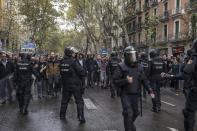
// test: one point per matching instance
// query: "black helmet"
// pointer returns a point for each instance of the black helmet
(25, 56)
(68, 52)
(154, 53)
(143, 56)
(130, 55)
(114, 54)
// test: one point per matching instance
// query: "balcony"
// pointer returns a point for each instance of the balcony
(191, 6)
(164, 17)
(177, 12)
(176, 37)
(162, 40)
(154, 3)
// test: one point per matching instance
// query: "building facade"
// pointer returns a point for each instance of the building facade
(168, 25)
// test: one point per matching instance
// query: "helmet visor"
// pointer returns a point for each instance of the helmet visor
(131, 56)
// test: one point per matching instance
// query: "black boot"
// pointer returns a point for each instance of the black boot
(128, 124)
(25, 112)
(82, 120)
(62, 117)
(81, 117)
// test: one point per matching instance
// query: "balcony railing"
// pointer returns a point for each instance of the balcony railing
(178, 11)
(163, 40)
(191, 5)
(178, 37)
(164, 16)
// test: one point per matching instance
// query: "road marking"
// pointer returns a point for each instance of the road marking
(89, 104)
(167, 103)
(110, 130)
(172, 129)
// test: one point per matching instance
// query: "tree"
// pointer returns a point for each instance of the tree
(39, 16)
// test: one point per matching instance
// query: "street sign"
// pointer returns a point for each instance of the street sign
(28, 47)
(104, 51)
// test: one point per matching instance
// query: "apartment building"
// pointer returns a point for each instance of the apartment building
(168, 25)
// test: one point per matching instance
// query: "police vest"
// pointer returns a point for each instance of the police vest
(66, 68)
(113, 65)
(145, 66)
(157, 67)
(24, 70)
(134, 72)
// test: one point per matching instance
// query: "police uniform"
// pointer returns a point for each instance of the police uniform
(145, 65)
(190, 75)
(23, 79)
(157, 66)
(112, 65)
(71, 76)
(129, 92)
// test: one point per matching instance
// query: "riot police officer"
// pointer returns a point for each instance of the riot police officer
(145, 64)
(127, 77)
(112, 65)
(23, 79)
(190, 77)
(71, 76)
(157, 66)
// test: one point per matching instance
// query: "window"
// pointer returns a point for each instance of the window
(177, 4)
(129, 27)
(177, 30)
(155, 12)
(139, 38)
(134, 27)
(166, 6)
(165, 31)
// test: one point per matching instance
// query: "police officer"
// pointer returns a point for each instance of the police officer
(127, 77)
(23, 79)
(190, 77)
(71, 76)
(112, 65)
(157, 66)
(145, 64)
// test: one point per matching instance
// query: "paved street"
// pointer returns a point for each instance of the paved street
(102, 114)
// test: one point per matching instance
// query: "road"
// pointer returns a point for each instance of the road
(102, 114)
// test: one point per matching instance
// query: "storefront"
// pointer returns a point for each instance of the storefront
(178, 50)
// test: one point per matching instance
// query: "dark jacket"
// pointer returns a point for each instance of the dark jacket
(71, 74)
(23, 72)
(120, 78)
(84, 64)
(91, 65)
(6, 70)
(157, 66)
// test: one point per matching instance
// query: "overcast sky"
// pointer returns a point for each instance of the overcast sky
(63, 24)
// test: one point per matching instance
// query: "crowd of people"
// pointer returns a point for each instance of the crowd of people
(48, 81)
(52, 74)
